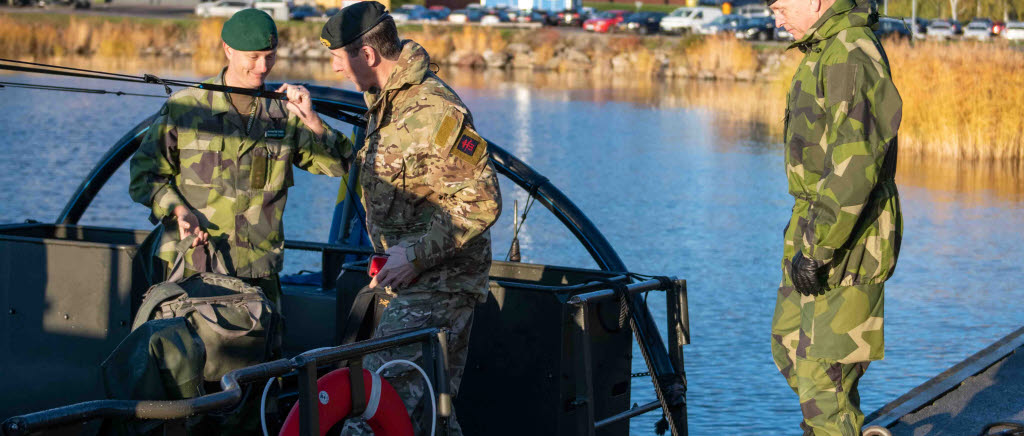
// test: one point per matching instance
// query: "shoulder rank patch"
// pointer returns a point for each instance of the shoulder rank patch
(448, 129)
(470, 147)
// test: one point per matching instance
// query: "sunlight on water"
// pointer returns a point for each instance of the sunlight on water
(683, 178)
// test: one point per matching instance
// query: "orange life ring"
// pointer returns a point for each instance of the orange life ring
(385, 412)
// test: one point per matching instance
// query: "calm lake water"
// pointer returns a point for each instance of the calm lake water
(678, 189)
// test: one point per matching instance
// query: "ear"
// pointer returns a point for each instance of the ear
(370, 55)
(227, 50)
(816, 5)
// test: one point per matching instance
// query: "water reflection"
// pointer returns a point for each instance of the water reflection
(684, 178)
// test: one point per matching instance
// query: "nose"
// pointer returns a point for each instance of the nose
(336, 65)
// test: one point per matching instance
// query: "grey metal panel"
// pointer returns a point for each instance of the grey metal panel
(66, 307)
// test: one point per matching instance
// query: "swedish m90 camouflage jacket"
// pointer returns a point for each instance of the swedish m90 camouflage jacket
(842, 115)
(197, 154)
(427, 180)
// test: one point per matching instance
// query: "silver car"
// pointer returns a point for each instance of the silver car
(942, 29)
(1014, 31)
(980, 30)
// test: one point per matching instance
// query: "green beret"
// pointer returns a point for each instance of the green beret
(250, 30)
(351, 23)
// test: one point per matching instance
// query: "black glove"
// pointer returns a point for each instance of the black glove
(809, 276)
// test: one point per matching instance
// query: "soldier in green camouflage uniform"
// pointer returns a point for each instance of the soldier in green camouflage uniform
(219, 165)
(430, 194)
(843, 238)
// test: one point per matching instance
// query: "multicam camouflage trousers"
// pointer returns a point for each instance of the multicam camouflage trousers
(453, 311)
(823, 345)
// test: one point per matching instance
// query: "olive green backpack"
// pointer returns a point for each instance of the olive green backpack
(238, 324)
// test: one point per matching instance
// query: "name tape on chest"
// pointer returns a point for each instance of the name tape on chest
(275, 134)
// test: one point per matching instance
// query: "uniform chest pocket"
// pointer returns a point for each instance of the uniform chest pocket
(381, 179)
(271, 166)
(201, 160)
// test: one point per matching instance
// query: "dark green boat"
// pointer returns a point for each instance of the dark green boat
(547, 353)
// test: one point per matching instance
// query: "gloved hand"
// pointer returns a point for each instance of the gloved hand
(809, 276)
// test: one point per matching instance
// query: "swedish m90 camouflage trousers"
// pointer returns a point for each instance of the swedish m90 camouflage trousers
(417, 310)
(823, 345)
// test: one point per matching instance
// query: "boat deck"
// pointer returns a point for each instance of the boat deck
(986, 388)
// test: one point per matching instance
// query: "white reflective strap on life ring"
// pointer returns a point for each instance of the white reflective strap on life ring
(371, 405)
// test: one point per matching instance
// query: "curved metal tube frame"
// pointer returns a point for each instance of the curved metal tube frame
(340, 104)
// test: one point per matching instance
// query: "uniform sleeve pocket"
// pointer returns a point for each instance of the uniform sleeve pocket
(840, 83)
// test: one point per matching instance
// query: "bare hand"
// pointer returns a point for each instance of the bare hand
(398, 272)
(300, 104)
(188, 225)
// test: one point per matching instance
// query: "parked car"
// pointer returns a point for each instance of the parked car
(757, 28)
(980, 29)
(674, 21)
(532, 16)
(494, 16)
(944, 29)
(691, 21)
(891, 27)
(303, 12)
(408, 12)
(223, 8)
(644, 23)
(570, 17)
(471, 15)
(605, 21)
(439, 13)
(919, 26)
(1014, 31)
(725, 23)
(752, 10)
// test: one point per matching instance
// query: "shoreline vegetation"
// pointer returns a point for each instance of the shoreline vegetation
(961, 100)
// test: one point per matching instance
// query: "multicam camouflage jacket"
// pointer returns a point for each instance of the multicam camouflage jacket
(427, 180)
(198, 155)
(842, 115)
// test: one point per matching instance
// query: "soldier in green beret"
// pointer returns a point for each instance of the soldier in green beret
(218, 165)
(429, 190)
(843, 238)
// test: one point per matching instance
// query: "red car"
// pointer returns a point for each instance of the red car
(605, 21)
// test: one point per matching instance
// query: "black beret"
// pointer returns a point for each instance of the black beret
(351, 23)
(250, 30)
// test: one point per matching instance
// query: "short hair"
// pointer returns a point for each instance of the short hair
(383, 38)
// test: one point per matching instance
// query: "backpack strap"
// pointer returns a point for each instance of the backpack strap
(153, 298)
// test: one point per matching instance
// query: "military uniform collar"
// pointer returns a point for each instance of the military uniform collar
(219, 102)
(410, 69)
(843, 14)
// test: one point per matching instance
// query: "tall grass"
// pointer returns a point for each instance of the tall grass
(961, 101)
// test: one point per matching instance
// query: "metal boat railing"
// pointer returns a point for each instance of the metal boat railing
(306, 364)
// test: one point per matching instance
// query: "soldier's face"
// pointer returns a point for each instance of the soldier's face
(355, 68)
(249, 69)
(797, 16)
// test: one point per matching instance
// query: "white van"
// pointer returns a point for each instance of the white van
(689, 19)
(673, 22)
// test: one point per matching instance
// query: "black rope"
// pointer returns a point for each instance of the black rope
(70, 89)
(532, 198)
(58, 70)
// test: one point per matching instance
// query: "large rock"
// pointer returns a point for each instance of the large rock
(496, 59)
(465, 58)
(522, 60)
(622, 62)
(518, 47)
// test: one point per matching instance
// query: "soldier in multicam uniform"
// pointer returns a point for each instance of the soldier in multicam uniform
(429, 190)
(218, 165)
(841, 244)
